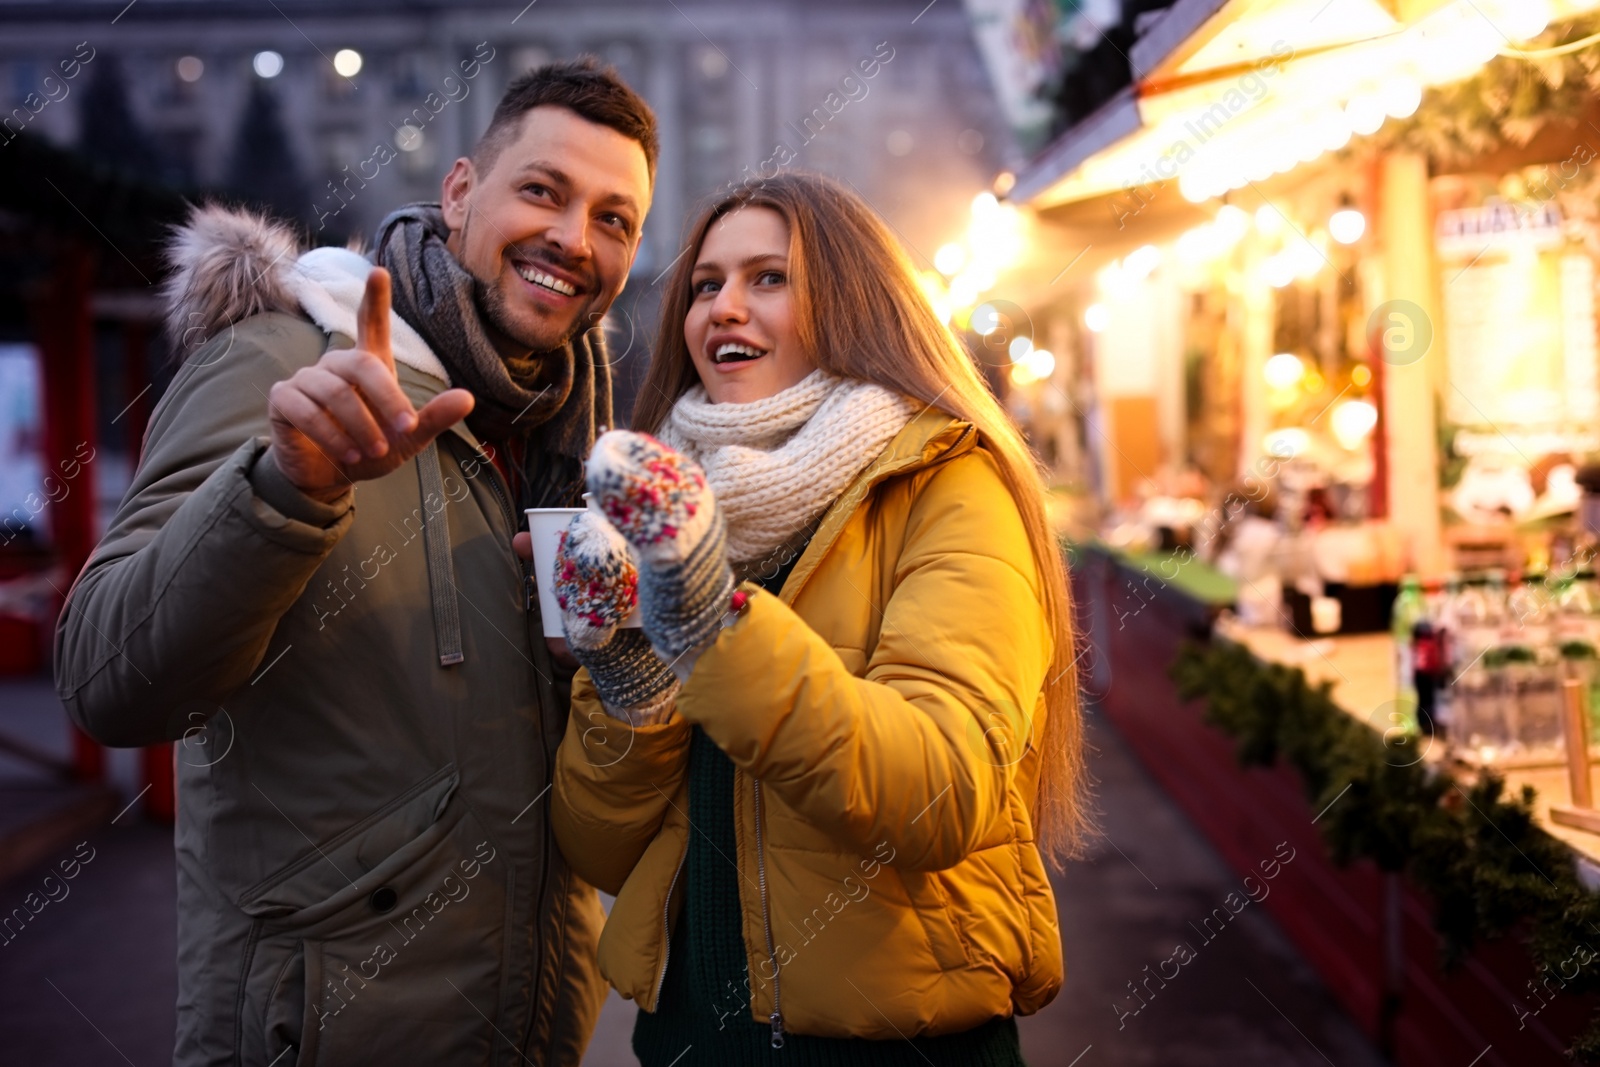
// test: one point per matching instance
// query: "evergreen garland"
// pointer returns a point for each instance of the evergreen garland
(1487, 866)
(1507, 102)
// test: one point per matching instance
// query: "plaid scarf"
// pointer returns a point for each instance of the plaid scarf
(544, 406)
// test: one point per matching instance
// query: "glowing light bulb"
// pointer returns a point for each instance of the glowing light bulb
(1233, 222)
(950, 258)
(1096, 317)
(1041, 363)
(1305, 259)
(267, 64)
(1195, 245)
(347, 61)
(1365, 112)
(1288, 442)
(1347, 225)
(1523, 19)
(985, 319)
(1401, 97)
(1141, 262)
(1352, 421)
(1448, 44)
(963, 290)
(1480, 40)
(1114, 280)
(1278, 271)
(1284, 370)
(1333, 130)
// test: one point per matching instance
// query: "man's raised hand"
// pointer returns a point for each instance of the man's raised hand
(346, 419)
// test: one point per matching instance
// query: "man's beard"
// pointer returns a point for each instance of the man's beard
(495, 309)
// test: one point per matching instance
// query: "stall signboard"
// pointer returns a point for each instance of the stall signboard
(1518, 298)
(1020, 43)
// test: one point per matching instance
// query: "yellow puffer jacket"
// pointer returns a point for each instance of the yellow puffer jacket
(889, 883)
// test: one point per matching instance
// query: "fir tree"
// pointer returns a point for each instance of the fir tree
(263, 171)
(110, 134)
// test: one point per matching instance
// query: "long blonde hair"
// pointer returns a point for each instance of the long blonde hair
(861, 314)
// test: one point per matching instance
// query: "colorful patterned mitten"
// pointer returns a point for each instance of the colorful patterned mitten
(659, 500)
(595, 585)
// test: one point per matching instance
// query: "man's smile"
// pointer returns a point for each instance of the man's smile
(545, 279)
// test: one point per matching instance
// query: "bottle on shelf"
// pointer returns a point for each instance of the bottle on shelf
(1430, 672)
(1443, 606)
(1532, 668)
(1409, 609)
(1477, 668)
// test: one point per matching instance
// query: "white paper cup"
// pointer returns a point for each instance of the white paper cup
(1326, 614)
(546, 526)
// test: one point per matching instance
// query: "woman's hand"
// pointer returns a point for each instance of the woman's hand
(596, 586)
(659, 501)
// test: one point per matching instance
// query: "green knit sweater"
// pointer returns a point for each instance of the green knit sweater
(704, 1013)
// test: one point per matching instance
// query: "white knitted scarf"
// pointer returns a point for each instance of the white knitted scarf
(777, 464)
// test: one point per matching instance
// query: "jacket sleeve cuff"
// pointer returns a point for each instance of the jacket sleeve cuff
(275, 489)
(652, 711)
(653, 744)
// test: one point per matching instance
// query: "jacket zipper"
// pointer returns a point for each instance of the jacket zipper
(776, 1018)
(666, 928)
(529, 590)
(505, 503)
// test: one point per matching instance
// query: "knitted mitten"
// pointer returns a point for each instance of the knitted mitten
(595, 585)
(659, 500)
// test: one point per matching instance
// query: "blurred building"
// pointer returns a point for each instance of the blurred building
(333, 113)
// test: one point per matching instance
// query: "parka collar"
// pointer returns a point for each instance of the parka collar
(930, 438)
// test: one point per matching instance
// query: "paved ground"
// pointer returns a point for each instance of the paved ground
(90, 980)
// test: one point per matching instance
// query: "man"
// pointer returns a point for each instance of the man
(311, 582)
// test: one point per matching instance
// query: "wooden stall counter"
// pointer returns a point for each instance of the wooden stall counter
(1369, 934)
(1360, 670)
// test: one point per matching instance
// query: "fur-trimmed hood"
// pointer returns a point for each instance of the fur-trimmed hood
(229, 264)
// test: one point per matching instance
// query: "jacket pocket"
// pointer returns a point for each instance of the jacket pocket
(387, 960)
(933, 909)
(409, 970)
(334, 865)
(274, 1002)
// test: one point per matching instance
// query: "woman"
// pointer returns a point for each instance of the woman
(815, 797)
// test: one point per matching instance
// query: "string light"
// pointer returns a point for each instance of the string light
(267, 64)
(347, 62)
(1284, 370)
(1347, 224)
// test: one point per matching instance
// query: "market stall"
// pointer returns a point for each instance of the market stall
(1318, 292)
